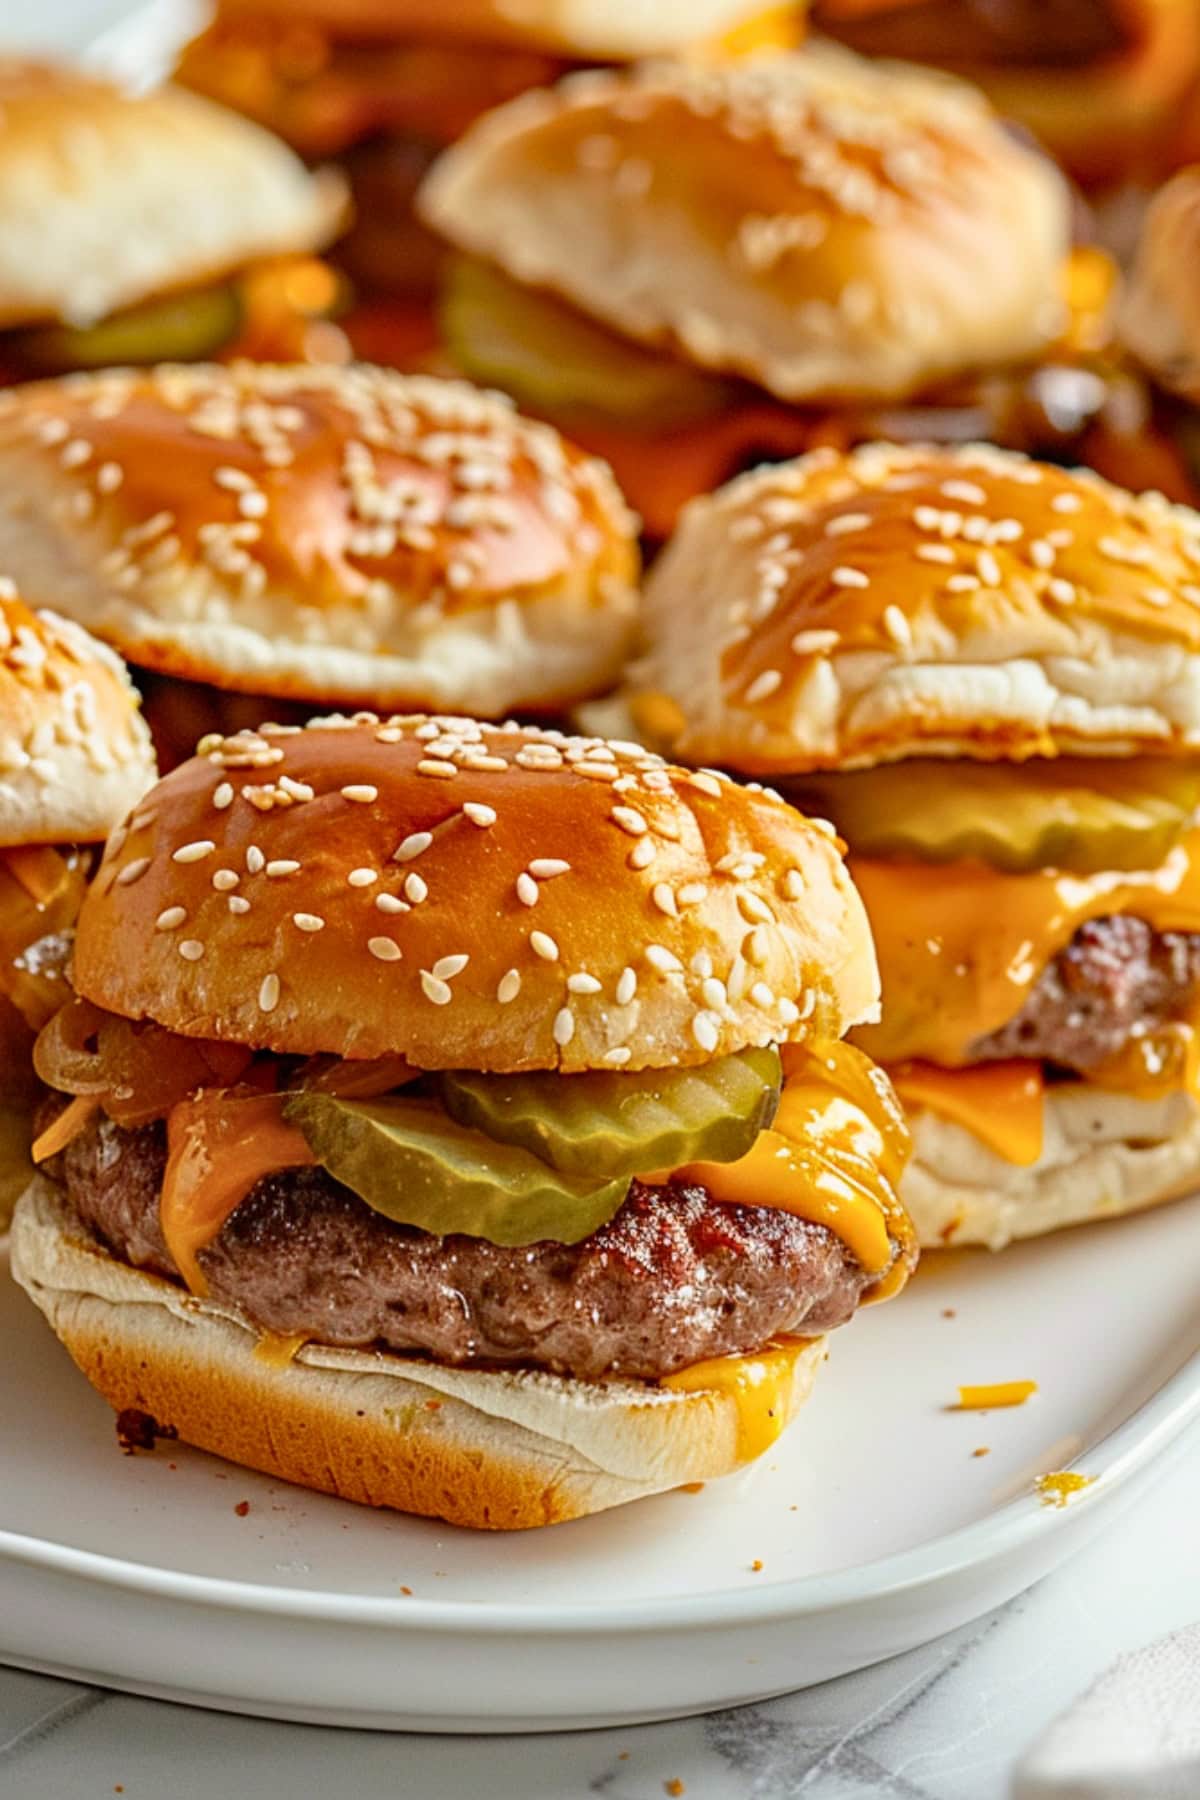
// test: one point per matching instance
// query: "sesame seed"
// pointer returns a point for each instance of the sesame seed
(814, 643)
(190, 853)
(788, 1011)
(431, 765)
(305, 921)
(415, 889)
(268, 994)
(191, 949)
(962, 584)
(692, 893)
(762, 996)
(447, 967)
(237, 904)
(363, 794)
(629, 820)
(543, 945)
(224, 879)
(1041, 554)
(384, 949)
(440, 992)
(661, 959)
(1062, 591)
(618, 1057)
(989, 568)
(170, 918)
(583, 983)
(706, 1031)
(763, 685)
(642, 854)
(850, 521)
(413, 845)
(626, 986)
(282, 866)
(388, 903)
(850, 578)
(256, 862)
(935, 553)
(1066, 503)
(545, 868)
(508, 987)
(480, 815)
(564, 1027)
(663, 896)
(527, 890)
(897, 626)
(793, 884)
(714, 994)
(223, 796)
(360, 878)
(132, 870)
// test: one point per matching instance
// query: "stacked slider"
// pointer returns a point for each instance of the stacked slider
(503, 1211)
(141, 229)
(693, 269)
(317, 536)
(984, 671)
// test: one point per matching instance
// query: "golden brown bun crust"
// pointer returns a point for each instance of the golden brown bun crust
(108, 198)
(821, 225)
(1160, 321)
(321, 534)
(75, 753)
(499, 1452)
(843, 610)
(257, 897)
(616, 30)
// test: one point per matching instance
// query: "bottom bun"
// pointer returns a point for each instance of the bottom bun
(1104, 1154)
(497, 1450)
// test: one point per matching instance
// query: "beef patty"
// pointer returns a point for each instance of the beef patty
(672, 1279)
(1116, 976)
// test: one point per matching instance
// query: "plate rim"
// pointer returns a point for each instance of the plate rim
(1131, 1447)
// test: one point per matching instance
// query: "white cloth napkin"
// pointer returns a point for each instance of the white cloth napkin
(1135, 1735)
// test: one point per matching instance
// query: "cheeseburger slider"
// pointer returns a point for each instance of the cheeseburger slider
(137, 229)
(695, 270)
(1098, 82)
(456, 1118)
(986, 672)
(74, 757)
(317, 535)
(384, 85)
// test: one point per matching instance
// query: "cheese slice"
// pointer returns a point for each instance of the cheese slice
(759, 1386)
(1002, 1103)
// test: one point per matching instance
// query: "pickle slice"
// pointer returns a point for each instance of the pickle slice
(604, 1126)
(1069, 813)
(175, 328)
(408, 1160)
(554, 360)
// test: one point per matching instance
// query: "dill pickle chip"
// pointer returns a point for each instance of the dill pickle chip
(553, 359)
(608, 1125)
(1072, 813)
(182, 327)
(410, 1161)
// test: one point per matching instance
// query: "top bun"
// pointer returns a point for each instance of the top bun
(825, 227)
(1160, 320)
(608, 30)
(108, 198)
(839, 611)
(494, 898)
(320, 534)
(74, 751)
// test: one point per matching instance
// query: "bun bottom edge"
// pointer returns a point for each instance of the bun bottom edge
(499, 1451)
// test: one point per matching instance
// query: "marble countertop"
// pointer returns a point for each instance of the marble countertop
(946, 1722)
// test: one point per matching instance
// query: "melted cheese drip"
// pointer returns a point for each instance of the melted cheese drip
(760, 1387)
(776, 28)
(834, 1156)
(1057, 1488)
(996, 1393)
(218, 1147)
(1002, 1104)
(278, 1350)
(961, 945)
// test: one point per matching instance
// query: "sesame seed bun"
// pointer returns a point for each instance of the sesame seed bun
(844, 610)
(1160, 320)
(321, 534)
(75, 754)
(481, 897)
(826, 227)
(108, 198)
(607, 30)
(500, 1451)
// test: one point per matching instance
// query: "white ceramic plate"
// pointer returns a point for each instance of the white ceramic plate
(875, 1525)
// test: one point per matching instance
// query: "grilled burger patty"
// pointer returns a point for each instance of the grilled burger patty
(1117, 975)
(672, 1279)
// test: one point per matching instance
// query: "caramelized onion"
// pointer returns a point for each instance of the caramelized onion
(138, 1070)
(40, 893)
(357, 1080)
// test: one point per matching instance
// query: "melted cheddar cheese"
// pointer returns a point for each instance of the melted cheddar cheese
(760, 1387)
(961, 946)
(834, 1155)
(1002, 1103)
